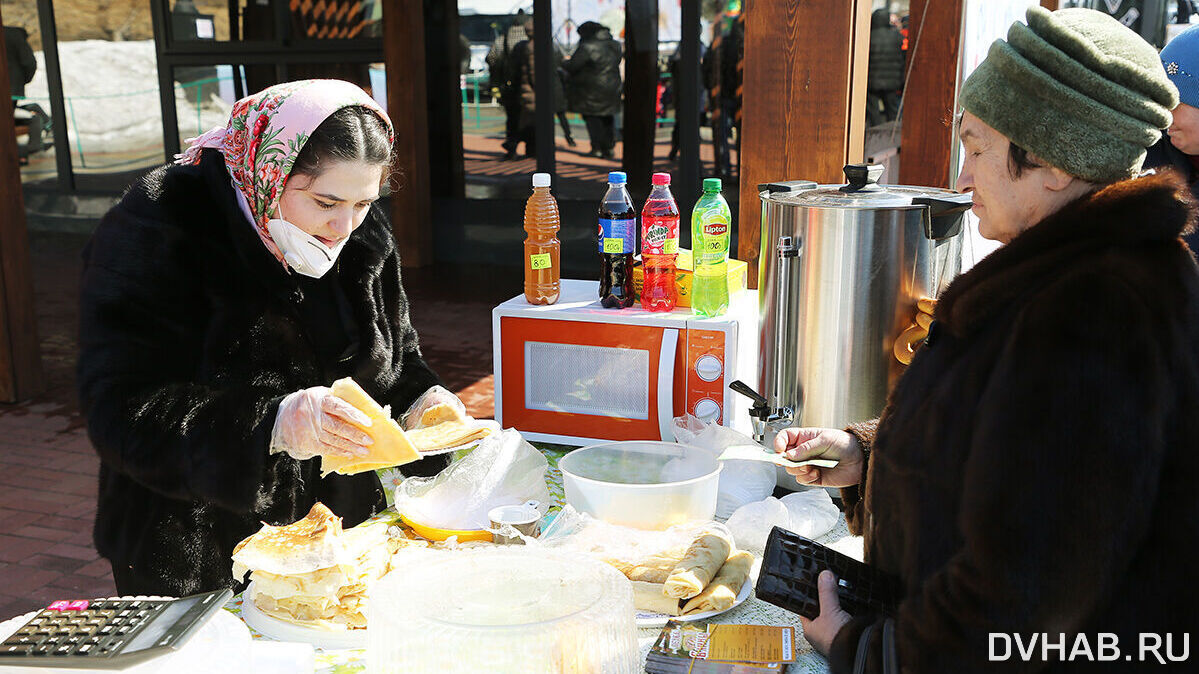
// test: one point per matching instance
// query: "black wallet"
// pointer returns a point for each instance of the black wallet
(792, 564)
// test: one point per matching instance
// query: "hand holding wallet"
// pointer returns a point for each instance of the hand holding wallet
(792, 564)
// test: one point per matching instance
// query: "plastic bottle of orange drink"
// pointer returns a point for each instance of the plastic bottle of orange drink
(543, 272)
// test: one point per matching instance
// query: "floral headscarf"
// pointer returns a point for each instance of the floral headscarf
(264, 136)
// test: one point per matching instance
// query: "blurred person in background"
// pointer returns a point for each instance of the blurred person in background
(501, 66)
(884, 74)
(22, 65)
(594, 85)
(1179, 147)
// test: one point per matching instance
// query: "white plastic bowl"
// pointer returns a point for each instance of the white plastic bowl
(642, 484)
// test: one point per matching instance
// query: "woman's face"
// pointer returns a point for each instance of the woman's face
(333, 204)
(1006, 205)
(1184, 130)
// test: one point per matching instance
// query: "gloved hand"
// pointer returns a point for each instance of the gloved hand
(434, 396)
(314, 422)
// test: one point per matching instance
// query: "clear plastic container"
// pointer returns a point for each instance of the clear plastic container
(503, 610)
(642, 484)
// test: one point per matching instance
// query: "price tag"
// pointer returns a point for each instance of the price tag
(540, 261)
(613, 245)
(670, 247)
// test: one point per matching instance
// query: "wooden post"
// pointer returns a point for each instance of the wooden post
(929, 100)
(1051, 5)
(407, 105)
(640, 88)
(20, 360)
(443, 79)
(687, 183)
(803, 99)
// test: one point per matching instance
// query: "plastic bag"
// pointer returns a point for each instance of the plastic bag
(436, 395)
(808, 513)
(579, 533)
(813, 513)
(741, 482)
(503, 470)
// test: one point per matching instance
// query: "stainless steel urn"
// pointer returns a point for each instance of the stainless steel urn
(840, 271)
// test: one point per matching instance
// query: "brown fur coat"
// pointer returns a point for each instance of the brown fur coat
(1036, 468)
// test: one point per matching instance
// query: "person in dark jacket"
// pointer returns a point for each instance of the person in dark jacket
(502, 68)
(884, 74)
(1179, 147)
(21, 62)
(220, 297)
(594, 86)
(524, 61)
(1033, 472)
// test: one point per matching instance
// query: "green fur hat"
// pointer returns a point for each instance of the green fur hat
(1076, 88)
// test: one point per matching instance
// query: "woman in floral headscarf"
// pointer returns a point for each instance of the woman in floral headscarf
(220, 297)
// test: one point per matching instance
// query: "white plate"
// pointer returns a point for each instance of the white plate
(281, 630)
(489, 423)
(222, 644)
(647, 619)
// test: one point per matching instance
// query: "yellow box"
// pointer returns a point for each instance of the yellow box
(684, 265)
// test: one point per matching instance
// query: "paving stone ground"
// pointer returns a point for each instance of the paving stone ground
(48, 469)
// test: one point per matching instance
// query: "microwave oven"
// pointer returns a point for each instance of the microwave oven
(575, 373)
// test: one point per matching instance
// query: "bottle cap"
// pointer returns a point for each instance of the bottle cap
(661, 179)
(541, 180)
(617, 178)
(711, 184)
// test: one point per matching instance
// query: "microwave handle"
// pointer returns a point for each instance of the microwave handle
(670, 342)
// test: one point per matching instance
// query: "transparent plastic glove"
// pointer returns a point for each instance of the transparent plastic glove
(314, 422)
(434, 396)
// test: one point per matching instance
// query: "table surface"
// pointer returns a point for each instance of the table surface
(752, 612)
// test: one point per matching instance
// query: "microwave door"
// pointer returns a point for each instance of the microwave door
(670, 341)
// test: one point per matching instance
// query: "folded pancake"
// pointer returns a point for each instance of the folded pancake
(650, 597)
(438, 414)
(312, 572)
(391, 446)
(300, 547)
(722, 591)
(697, 568)
(447, 434)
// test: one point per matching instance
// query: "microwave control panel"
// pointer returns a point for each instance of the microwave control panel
(706, 374)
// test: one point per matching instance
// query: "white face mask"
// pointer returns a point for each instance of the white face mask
(303, 252)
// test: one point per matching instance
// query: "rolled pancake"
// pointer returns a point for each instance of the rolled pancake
(699, 566)
(722, 591)
(652, 569)
(649, 597)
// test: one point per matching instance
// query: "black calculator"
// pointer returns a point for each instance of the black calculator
(108, 633)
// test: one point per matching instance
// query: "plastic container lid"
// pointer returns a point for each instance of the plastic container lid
(503, 610)
(617, 178)
(660, 179)
(712, 184)
(541, 180)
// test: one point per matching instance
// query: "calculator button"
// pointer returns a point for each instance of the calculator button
(84, 648)
(107, 629)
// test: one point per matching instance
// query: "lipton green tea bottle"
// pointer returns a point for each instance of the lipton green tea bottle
(710, 224)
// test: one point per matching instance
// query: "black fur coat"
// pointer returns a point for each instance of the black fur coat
(1036, 468)
(190, 335)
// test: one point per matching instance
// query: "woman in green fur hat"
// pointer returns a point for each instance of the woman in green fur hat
(1033, 472)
